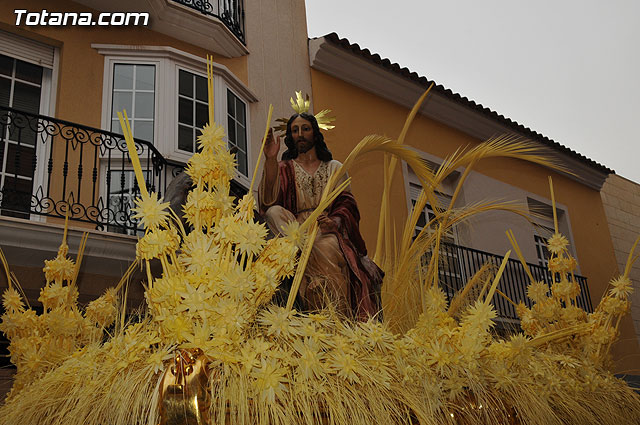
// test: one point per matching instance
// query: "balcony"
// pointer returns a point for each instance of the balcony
(215, 25)
(457, 264)
(230, 12)
(51, 167)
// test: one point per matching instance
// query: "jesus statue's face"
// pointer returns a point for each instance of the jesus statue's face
(302, 133)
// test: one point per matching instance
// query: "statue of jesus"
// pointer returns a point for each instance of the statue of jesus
(338, 270)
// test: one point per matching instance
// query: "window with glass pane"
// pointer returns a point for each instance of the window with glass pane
(237, 130)
(427, 214)
(134, 91)
(20, 88)
(123, 189)
(543, 228)
(193, 109)
(541, 250)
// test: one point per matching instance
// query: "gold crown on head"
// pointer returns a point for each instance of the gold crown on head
(301, 105)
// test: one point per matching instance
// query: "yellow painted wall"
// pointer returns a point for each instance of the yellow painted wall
(359, 113)
(79, 97)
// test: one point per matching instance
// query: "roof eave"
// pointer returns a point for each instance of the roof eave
(340, 59)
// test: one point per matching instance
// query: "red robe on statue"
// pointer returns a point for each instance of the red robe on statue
(365, 276)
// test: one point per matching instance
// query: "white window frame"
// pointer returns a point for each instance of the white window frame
(242, 179)
(169, 61)
(444, 191)
(564, 225)
(177, 109)
(443, 200)
(170, 150)
(107, 94)
(47, 57)
(131, 114)
(444, 197)
(540, 242)
(220, 87)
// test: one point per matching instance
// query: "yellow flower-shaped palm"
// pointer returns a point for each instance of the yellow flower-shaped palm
(151, 211)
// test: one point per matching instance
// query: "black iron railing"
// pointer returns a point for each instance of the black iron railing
(230, 12)
(457, 264)
(49, 166)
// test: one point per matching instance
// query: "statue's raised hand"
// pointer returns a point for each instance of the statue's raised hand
(271, 146)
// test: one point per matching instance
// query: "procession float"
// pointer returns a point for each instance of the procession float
(212, 347)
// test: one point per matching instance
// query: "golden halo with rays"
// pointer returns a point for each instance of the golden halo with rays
(301, 105)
